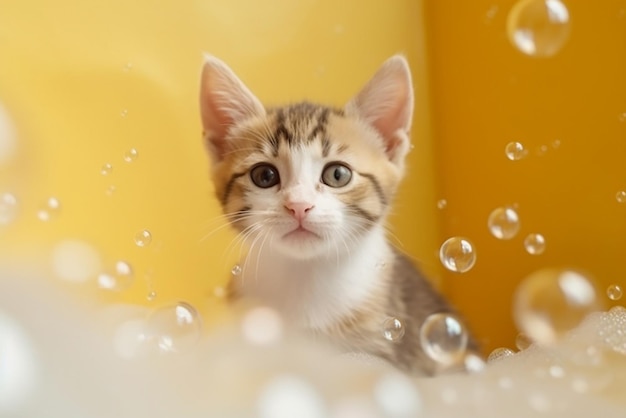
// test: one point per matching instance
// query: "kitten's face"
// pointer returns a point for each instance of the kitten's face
(306, 180)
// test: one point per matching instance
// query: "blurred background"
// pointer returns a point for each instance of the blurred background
(519, 129)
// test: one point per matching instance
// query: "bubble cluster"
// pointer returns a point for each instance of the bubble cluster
(119, 279)
(393, 329)
(535, 244)
(443, 338)
(8, 208)
(614, 292)
(457, 254)
(611, 328)
(550, 302)
(131, 155)
(499, 353)
(503, 223)
(49, 210)
(143, 238)
(538, 28)
(174, 328)
(515, 151)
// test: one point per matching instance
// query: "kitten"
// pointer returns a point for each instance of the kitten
(308, 187)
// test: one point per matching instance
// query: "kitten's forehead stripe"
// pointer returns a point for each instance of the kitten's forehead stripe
(229, 186)
(376, 184)
(320, 128)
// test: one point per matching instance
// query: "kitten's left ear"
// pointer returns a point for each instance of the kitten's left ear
(386, 104)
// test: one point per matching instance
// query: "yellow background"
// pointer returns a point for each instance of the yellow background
(84, 82)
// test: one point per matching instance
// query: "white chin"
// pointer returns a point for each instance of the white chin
(302, 245)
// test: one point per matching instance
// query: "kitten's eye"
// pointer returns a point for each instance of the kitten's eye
(336, 175)
(264, 175)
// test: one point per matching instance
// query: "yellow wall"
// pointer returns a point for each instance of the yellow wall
(86, 81)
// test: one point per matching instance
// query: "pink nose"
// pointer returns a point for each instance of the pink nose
(298, 209)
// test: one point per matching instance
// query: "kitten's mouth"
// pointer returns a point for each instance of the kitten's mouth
(301, 233)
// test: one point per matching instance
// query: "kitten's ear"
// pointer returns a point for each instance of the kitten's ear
(224, 101)
(386, 104)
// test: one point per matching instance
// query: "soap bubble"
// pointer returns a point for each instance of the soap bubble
(106, 169)
(151, 296)
(49, 209)
(288, 396)
(262, 326)
(614, 292)
(442, 204)
(143, 238)
(75, 261)
(393, 330)
(8, 208)
(515, 151)
(503, 223)
(535, 244)
(621, 196)
(236, 270)
(131, 155)
(120, 279)
(499, 353)
(457, 254)
(124, 113)
(522, 341)
(538, 28)
(110, 190)
(443, 338)
(174, 328)
(550, 302)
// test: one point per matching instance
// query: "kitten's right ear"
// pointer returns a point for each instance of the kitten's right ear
(224, 102)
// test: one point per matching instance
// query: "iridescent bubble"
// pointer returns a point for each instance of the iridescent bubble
(621, 196)
(236, 270)
(131, 155)
(522, 341)
(174, 328)
(49, 209)
(262, 326)
(614, 292)
(503, 223)
(515, 151)
(457, 254)
(143, 238)
(8, 208)
(538, 28)
(550, 302)
(75, 261)
(443, 338)
(393, 330)
(535, 244)
(106, 169)
(120, 279)
(442, 204)
(499, 353)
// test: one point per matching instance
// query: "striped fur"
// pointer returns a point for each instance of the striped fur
(313, 219)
